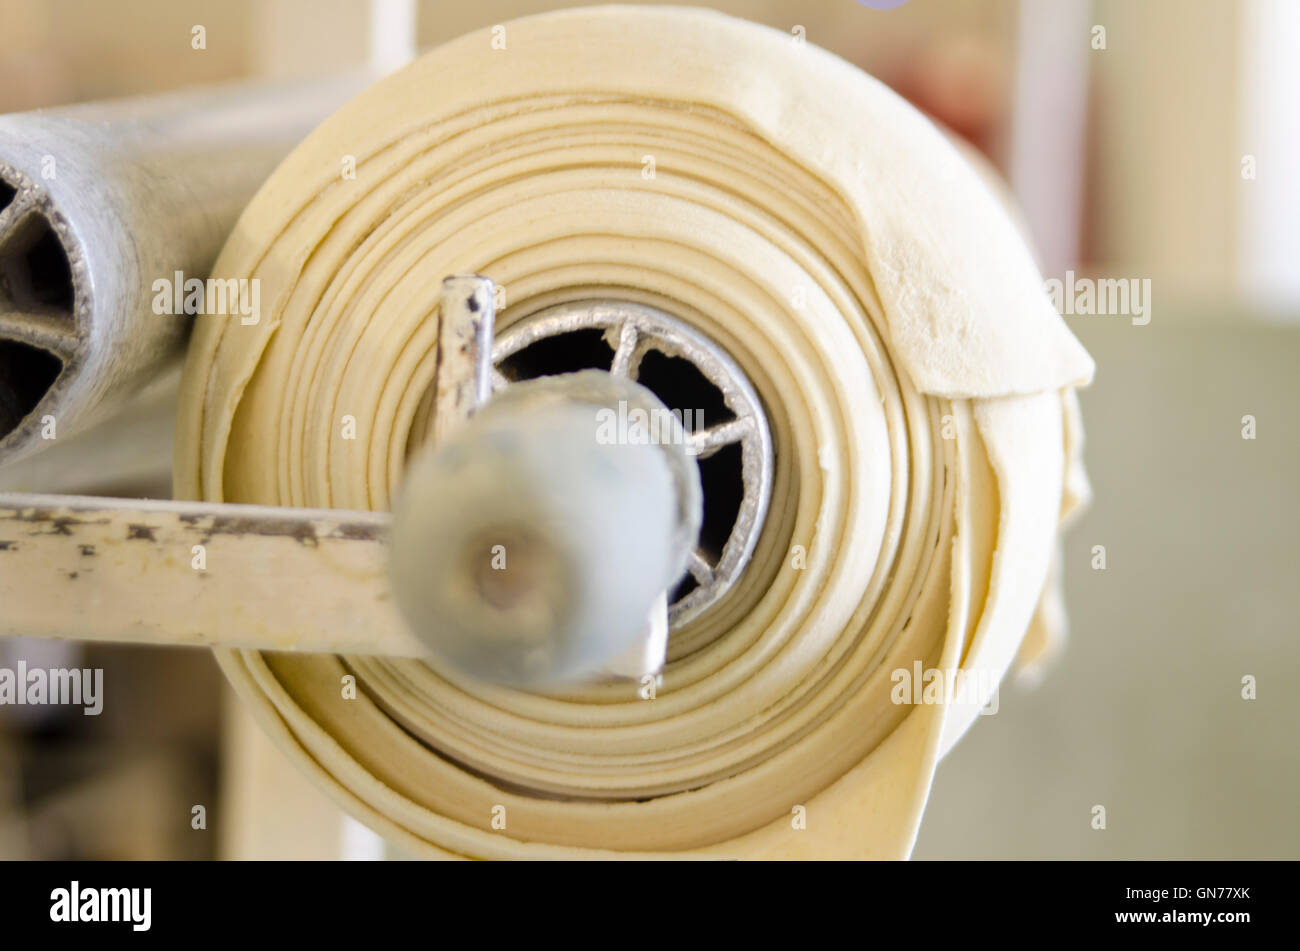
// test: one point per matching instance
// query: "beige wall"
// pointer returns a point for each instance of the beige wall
(58, 51)
(1168, 180)
(1143, 713)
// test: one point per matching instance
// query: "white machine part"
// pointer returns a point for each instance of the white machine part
(525, 549)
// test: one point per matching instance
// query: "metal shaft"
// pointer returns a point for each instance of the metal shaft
(198, 574)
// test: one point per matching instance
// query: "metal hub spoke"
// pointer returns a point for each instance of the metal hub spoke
(697, 380)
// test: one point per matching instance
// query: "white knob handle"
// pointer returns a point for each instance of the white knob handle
(529, 547)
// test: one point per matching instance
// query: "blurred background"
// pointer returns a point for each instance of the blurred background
(1144, 139)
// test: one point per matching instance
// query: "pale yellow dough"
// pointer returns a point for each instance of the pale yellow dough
(872, 286)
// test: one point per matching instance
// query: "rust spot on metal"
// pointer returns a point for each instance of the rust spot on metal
(57, 524)
(140, 533)
(358, 533)
(303, 532)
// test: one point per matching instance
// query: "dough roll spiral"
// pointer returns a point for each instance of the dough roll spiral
(917, 380)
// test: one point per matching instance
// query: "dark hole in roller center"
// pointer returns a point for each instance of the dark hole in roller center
(722, 479)
(34, 270)
(563, 353)
(49, 273)
(683, 588)
(26, 375)
(681, 386)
